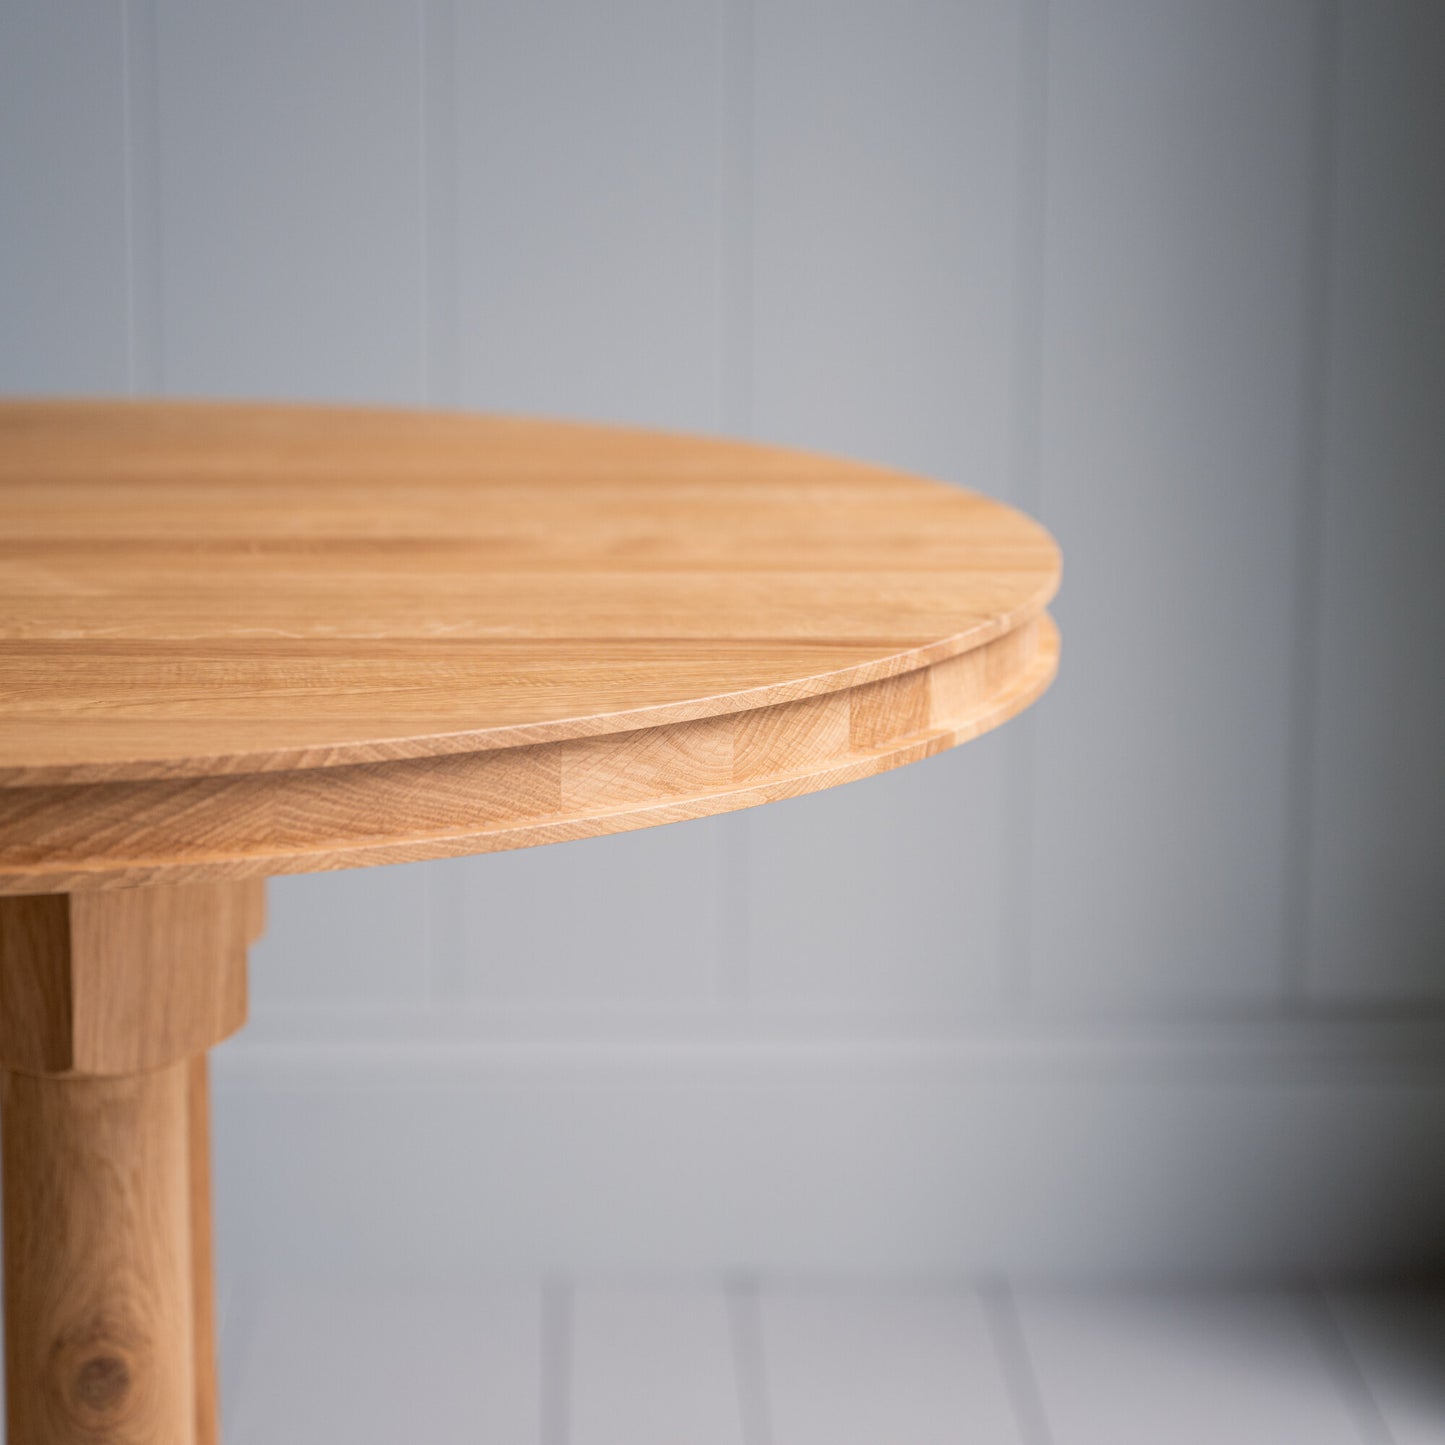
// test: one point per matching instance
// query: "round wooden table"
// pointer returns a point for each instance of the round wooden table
(237, 641)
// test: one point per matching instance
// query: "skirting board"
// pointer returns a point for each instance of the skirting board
(1241, 1150)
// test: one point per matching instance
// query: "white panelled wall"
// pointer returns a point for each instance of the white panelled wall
(1150, 983)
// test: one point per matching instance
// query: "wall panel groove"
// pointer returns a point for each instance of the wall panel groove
(438, 168)
(1309, 512)
(1180, 152)
(63, 309)
(144, 261)
(1377, 809)
(1030, 302)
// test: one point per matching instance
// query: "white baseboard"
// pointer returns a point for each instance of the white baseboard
(1242, 1148)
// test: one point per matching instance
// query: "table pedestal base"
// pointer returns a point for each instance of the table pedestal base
(108, 1002)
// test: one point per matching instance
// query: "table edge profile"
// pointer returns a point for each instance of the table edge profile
(74, 835)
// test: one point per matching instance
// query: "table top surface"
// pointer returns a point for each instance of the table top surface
(192, 593)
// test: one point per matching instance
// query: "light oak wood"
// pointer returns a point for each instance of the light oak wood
(203, 1273)
(99, 1303)
(244, 640)
(113, 982)
(168, 830)
(108, 1001)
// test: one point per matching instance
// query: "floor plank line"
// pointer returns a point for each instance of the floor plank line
(1015, 1363)
(372, 1364)
(1344, 1368)
(1193, 1367)
(855, 1364)
(744, 1359)
(653, 1364)
(556, 1373)
(749, 1364)
(1397, 1339)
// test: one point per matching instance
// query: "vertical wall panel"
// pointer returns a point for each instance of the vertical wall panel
(291, 241)
(1177, 252)
(290, 199)
(885, 158)
(587, 209)
(1378, 812)
(588, 284)
(358, 936)
(883, 271)
(885, 896)
(635, 918)
(63, 242)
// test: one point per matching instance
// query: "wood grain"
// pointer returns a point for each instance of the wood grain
(99, 983)
(108, 1001)
(37, 1006)
(82, 837)
(203, 1269)
(99, 1308)
(245, 639)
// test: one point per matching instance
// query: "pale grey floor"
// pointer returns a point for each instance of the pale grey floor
(743, 1362)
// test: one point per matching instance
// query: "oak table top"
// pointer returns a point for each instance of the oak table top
(239, 640)
(245, 640)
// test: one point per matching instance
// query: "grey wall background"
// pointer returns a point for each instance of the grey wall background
(1151, 982)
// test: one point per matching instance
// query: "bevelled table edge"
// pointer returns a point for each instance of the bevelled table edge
(306, 757)
(65, 837)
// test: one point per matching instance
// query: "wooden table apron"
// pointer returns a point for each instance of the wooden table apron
(237, 641)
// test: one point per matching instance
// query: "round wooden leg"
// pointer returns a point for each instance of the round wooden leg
(100, 1271)
(108, 1003)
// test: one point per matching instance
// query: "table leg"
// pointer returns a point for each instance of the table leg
(108, 1003)
(100, 1317)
